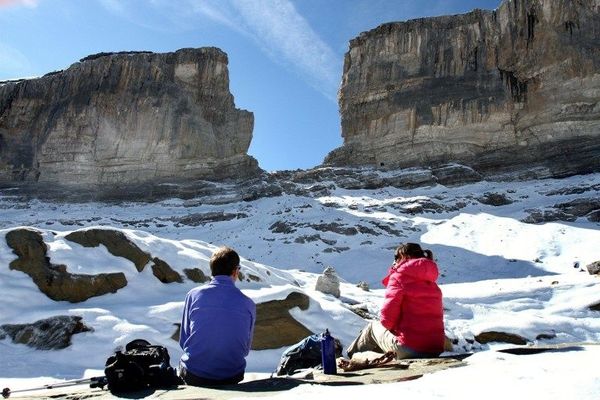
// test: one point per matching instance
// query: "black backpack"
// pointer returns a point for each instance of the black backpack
(140, 366)
(304, 354)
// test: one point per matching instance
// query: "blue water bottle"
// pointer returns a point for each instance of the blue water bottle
(328, 353)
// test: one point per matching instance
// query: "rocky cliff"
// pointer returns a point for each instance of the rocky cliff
(515, 88)
(126, 118)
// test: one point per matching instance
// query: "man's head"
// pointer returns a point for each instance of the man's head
(224, 261)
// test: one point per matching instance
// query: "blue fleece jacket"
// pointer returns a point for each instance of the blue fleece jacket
(216, 329)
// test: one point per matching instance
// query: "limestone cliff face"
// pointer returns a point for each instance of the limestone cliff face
(126, 118)
(514, 88)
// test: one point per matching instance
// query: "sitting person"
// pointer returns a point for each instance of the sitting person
(412, 321)
(217, 326)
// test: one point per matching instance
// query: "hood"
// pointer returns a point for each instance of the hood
(417, 268)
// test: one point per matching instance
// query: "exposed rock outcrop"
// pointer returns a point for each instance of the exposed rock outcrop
(54, 280)
(594, 268)
(46, 334)
(495, 199)
(206, 218)
(115, 242)
(517, 88)
(275, 327)
(569, 211)
(126, 118)
(196, 275)
(164, 273)
(502, 337)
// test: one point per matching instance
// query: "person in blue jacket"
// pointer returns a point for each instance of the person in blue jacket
(217, 326)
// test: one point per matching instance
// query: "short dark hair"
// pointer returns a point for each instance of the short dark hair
(224, 261)
(412, 250)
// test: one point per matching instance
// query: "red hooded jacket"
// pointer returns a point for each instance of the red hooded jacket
(412, 309)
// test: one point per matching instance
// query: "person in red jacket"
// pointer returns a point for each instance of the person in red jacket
(412, 320)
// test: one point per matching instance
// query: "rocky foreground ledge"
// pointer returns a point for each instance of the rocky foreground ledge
(397, 371)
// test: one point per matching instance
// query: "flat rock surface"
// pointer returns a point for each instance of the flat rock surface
(395, 372)
(398, 371)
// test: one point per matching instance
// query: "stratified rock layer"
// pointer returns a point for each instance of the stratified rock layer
(503, 90)
(126, 118)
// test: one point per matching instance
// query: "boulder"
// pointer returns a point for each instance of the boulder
(539, 216)
(207, 218)
(252, 278)
(282, 227)
(335, 227)
(177, 333)
(362, 311)
(568, 211)
(115, 242)
(164, 272)
(275, 327)
(449, 344)
(497, 91)
(594, 268)
(495, 199)
(580, 207)
(329, 282)
(54, 280)
(196, 275)
(546, 335)
(46, 334)
(502, 337)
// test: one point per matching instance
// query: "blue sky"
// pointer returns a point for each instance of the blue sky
(285, 56)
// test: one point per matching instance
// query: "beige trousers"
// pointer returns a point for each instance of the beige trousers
(374, 337)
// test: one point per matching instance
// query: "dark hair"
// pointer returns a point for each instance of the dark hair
(412, 250)
(224, 261)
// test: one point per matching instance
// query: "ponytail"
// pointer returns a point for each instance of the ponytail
(412, 250)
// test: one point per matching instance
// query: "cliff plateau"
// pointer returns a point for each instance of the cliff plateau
(517, 88)
(119, 118)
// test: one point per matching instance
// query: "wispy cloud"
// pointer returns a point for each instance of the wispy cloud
(26, 3)
(276, 27)
(114, 6)
(13, 63)
(220, 12)
(286, 36)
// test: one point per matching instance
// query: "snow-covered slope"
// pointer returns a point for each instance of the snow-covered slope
(498, 272)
